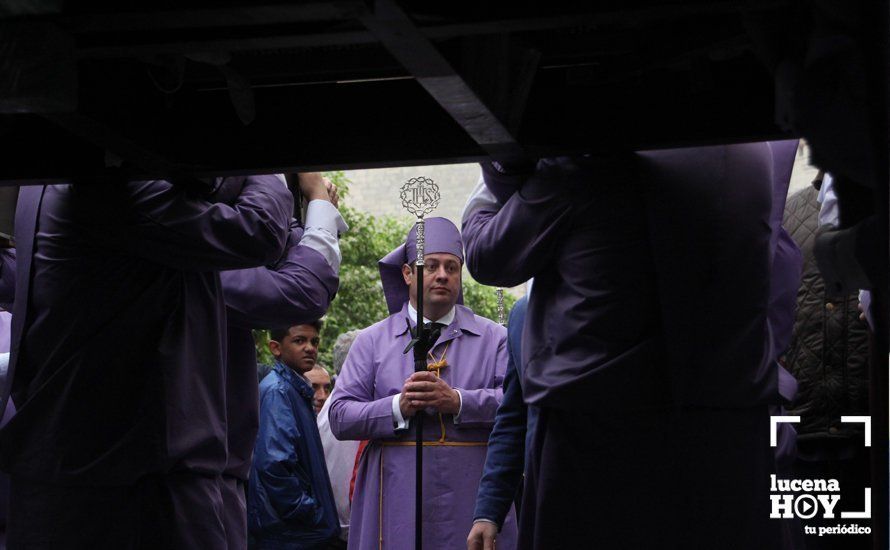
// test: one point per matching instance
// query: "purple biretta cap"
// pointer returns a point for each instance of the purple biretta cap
(441, 237)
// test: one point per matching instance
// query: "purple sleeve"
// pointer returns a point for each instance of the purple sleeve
(277, 462)
(298, 289)
(177, 229)
(503, 180)
(7, 278)
(478, 407)
(509, 246)
(354, 413)
(784, 284)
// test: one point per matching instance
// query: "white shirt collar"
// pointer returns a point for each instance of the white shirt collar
(445, 319)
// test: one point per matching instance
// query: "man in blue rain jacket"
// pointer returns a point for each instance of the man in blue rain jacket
(290, 501)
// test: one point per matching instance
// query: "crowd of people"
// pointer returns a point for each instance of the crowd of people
(626, 404)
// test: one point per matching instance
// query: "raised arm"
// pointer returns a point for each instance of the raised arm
(298, 289)
(170, 225)
(508, 243)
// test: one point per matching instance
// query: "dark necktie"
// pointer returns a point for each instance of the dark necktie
(434, 329)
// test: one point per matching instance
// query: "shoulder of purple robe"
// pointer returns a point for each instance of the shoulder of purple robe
(479, 405)
(354, 412)
(173, 227)
(507, 247)
(7, 278)
(297, 289)
(504, 180)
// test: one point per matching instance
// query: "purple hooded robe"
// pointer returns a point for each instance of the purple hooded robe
(647, 343)
(361, 408)
(119, 335)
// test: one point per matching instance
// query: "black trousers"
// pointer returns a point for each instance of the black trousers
(177, 511)
(690, 480)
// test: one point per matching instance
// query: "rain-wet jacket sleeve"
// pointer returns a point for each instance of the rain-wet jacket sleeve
(505, 459)
(276, 464)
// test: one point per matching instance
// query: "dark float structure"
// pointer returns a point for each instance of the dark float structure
(101, 91)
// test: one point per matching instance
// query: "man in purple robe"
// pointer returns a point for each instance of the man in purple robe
(118, 358)
(378, 393)
(296, 289)
(646, 344)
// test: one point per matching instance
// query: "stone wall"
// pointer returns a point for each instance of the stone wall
(377, 191)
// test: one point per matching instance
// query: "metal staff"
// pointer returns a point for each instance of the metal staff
(419, 196)
(502, 316)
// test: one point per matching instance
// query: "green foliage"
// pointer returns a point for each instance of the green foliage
(263, 355)
(360, 301)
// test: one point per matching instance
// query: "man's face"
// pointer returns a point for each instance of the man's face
(321, 387)
(298, 350)
(441, 281)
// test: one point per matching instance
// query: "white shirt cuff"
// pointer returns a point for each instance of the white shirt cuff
(397, 419)
(828, 211)
(460, 407)
(323, 224)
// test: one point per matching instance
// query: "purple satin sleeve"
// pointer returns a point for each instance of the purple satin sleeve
(508, 247)
(7, 414)
(502, 180)
(355, 413)
(298, 289)
(7, 278)
(479, 406)
(784, 283)
(787, 385)
(189, 233)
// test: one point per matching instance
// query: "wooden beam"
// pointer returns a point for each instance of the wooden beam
(255, 43)
(124, 149)
(263, 40)
(38, 72)
(297, 128)
(501, 71)
(421, 59)
(235, 16)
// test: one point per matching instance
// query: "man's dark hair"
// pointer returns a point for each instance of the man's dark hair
(278, 334)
